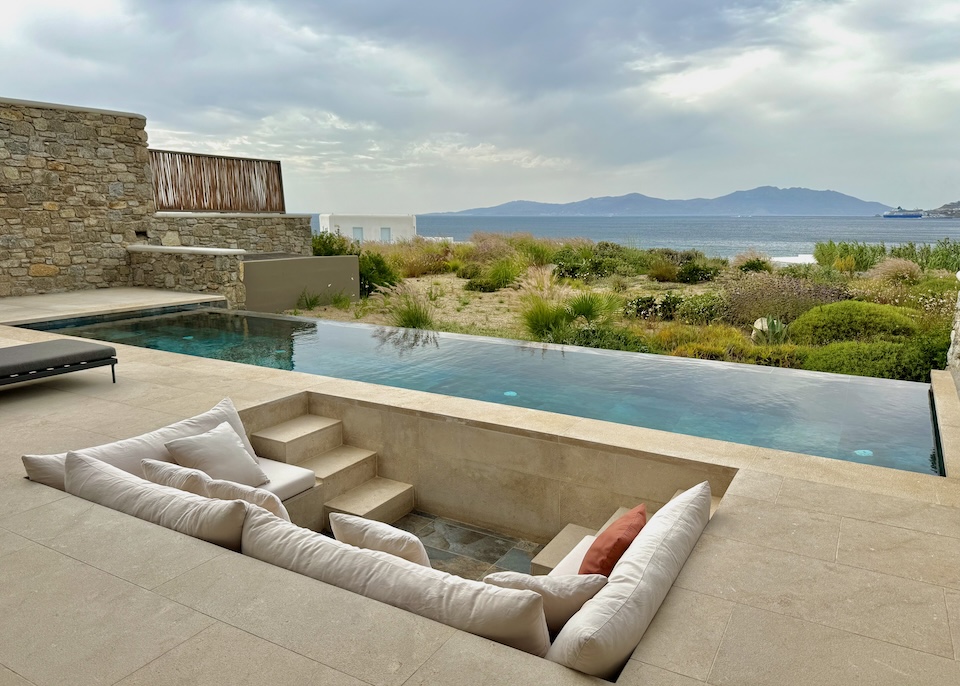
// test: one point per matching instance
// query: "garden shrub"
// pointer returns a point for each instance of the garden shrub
(663, 271)
(910, 360)
(758, 294)
(469, 270)
(641, 307)
(864, 255)
(676, 257)
(785, 355)
(502, 273)
(668, 304)
(327, 243)
(716, 342)
(696, 272)
(702, 309)
(896, 270)
(375, 273)
(944, 255)
(407, 309)
(536, 252)
(593, 307)
(546, 320)
(752, 261)
(851, 320)
(607, 338)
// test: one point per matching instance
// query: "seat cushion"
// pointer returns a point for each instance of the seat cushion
(127, 454)
(218, 452)
(286, 480)
(599, 639)
(514, 618)
(216, 521)
(570, 564)
(374, 535)
(563, 596)
(32, 357)
(195, 481)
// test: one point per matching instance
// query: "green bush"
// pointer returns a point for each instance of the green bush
(911, 360)
(668, 305)
(756, 264)
(545, 320)
(641, 307)
(705, 308)
(593, 307)
(469, 270)
(502, 273)
(409, 310)
(328, 243)
(851, 320)
(864, 255)
(375, 273)
(758, 294)
(944, 255)
(607, 338)
(663, 271)
(696, 272)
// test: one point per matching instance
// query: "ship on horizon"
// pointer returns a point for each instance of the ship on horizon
(901, 213)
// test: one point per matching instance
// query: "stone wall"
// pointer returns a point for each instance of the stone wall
(257, 233)
(190, 270)
(75, 188)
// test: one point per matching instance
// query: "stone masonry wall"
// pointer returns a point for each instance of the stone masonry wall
(192, 273)
(255, 233)
(75, 187)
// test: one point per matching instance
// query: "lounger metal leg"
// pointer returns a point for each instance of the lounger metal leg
(113, 372)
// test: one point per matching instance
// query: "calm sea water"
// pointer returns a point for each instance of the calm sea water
(715, 236)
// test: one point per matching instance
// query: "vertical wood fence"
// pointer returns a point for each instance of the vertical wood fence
(188, 182)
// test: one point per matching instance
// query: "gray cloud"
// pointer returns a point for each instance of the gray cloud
(412, 107)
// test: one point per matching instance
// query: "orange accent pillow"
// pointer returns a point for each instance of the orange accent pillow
(613, 542)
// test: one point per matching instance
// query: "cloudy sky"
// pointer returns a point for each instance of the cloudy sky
(419, 106)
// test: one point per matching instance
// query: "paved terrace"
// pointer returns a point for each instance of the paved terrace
(813, 571)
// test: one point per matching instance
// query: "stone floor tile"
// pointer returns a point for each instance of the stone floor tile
(468, 660)
(10, 678)
(757, 485)
(638, 673)
(516, 560)
(222, 655)
(880, 606)
(19, 494)
(460, 565)
(134, 550)
(952, 599)
(884, 509)
(11, 542)
(463, 541)
(677, 642)
(762, 648)
(65, 622)
(900, 552)
(371, 641)
(412, 523)
(785, 528)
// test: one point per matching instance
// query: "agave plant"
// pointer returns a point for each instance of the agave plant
(769, 331)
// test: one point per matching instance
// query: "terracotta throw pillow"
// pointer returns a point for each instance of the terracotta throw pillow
(611, 543)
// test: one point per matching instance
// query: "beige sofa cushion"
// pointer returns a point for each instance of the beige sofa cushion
(599, 639)
(195, 481)
(563, 596)
(514, 618)
(374, 535)
(218, 452)
(570, 564)
(216, 521)
(127, 454)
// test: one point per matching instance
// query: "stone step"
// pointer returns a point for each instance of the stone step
(297, 439)
(382, 499)
(342, 468)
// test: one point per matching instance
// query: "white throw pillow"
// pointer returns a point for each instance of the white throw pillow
(195, 481)
(514, 618)
(216, 521)
(219, 453)
(374, 535)
(563, 596)
(599, 639)
(570, 564)
(127, 454)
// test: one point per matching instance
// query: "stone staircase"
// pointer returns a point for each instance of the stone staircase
(347, 475)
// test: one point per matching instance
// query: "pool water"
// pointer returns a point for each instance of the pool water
(873, 421)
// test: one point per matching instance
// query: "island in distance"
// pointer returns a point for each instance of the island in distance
(764, 201)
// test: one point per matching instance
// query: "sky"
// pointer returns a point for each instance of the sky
(377, 106)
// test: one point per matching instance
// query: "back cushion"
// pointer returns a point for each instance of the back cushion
(195, 481)
(127, 454)
(599, 639)
(514, 618)
(216, 521)
(374, 535)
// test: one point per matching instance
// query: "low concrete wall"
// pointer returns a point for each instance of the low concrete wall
(194, 270)
(275, 285)
(481, 471)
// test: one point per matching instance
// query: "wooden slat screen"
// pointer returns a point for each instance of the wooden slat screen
(188, 182)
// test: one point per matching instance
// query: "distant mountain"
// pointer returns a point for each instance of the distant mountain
(951, 210)
(762, 201)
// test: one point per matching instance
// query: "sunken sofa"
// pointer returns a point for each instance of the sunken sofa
(587, 622)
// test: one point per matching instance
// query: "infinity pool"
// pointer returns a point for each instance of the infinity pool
(873, 421)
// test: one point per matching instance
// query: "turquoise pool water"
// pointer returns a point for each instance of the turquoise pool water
(874, 421)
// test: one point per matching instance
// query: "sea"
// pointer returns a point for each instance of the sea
(714, 236)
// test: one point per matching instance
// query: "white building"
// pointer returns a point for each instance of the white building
(381, 228)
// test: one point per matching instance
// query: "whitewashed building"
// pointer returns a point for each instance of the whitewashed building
(381, 228)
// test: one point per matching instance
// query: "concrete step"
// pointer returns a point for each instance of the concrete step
(297, 439)
(342, 468)
(382, 499)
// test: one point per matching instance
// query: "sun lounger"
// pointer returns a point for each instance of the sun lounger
(48, 358)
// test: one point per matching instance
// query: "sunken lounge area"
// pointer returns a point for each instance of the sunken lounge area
(811, 571)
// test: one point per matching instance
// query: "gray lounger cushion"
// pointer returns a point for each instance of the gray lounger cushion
(32, 357)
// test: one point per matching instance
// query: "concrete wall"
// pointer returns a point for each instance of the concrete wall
(75, 188)
(276, 284)
(367, 227)
(256, 233)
